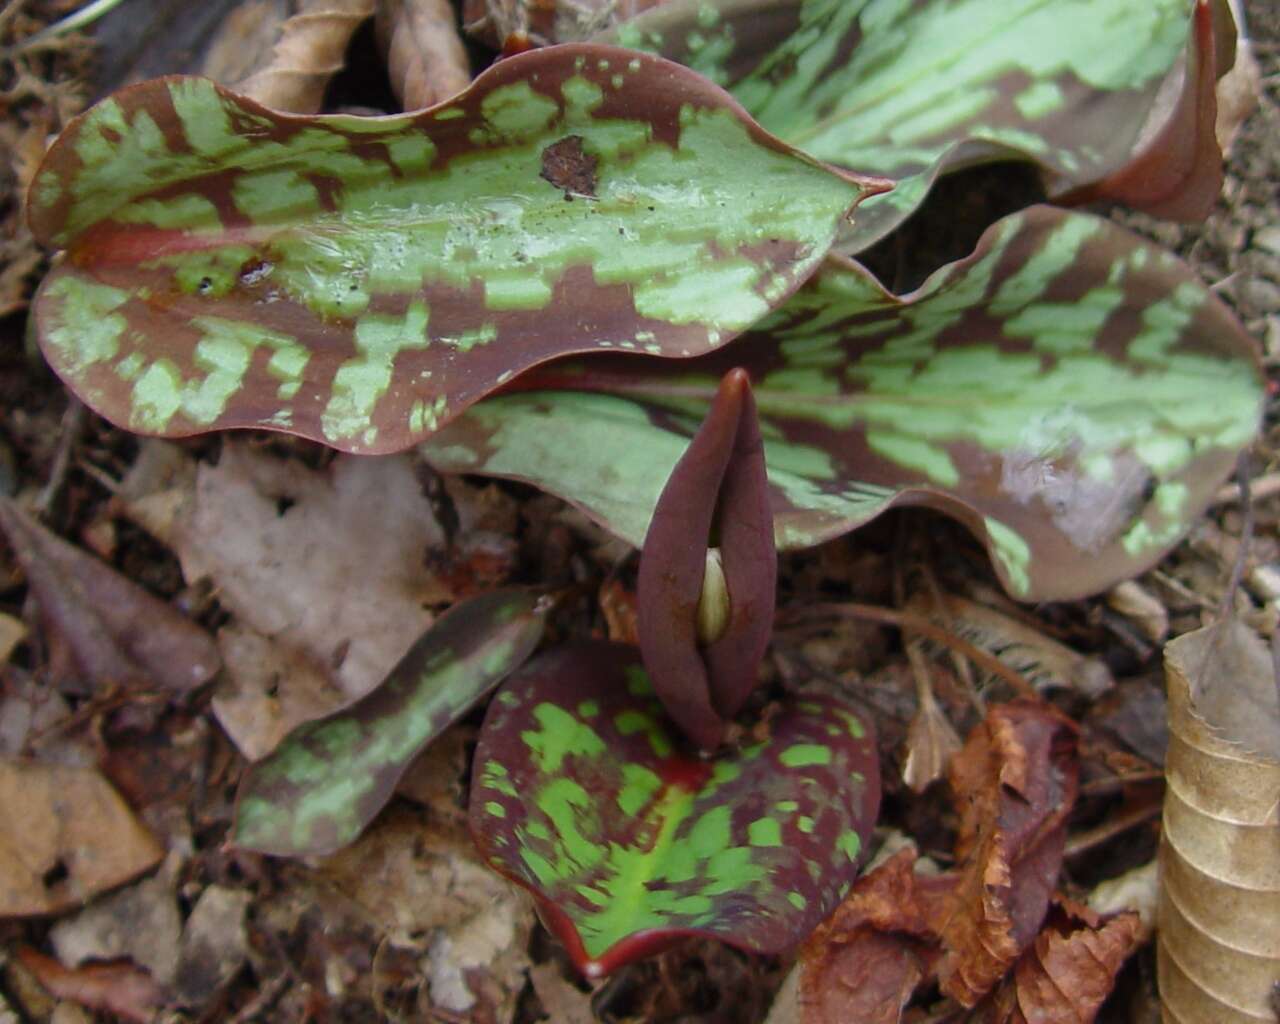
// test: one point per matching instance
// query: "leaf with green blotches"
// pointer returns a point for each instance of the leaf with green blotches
(362, 280)
(911, 90)
(1070, 392)
(581, 793)
(330, 777)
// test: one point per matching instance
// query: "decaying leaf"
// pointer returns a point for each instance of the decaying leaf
(1067, 973)
(361, 281)
(121, 989)
(709, 565)
(214, 944)
(1069, 392)
(931, 738)
(328, 779)
(1219, 948)
(863, 964)
(425, 57)
(101, 615)
(310, 50)
(77, 838)
(1016, 781)
(327, 595)
(582, 793)
(1013, 783)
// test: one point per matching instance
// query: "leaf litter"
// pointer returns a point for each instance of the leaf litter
(1071, 954)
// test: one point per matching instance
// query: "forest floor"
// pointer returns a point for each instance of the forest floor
(400, 926)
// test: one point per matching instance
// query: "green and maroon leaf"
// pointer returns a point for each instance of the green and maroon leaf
(1069, 391)
(362, 280)
(583, 794)
(913, 88)
(330, 777)
(717, 497)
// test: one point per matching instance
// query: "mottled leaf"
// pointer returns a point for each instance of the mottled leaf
(1071, 393)
(582, 793)
(914, 88)
(362, 280)
(716, 498)
(330, 777)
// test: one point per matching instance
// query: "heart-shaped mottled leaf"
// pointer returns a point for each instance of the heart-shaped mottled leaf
(913, 89)
(1070, 392)
(361, 280)
(582, 793)
(330, 777)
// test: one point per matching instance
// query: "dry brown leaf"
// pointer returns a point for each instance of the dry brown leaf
(1238, 89)
(1218, 940)
(121, 988)
(1015, 783)
(326, 573)
(425, 56)
(100, 614)
(308, 52)
(1043, 661)
(864, 962)
(77, 838)
(1137, 890)
(1067, 974)
(12, 632)
(931, 738)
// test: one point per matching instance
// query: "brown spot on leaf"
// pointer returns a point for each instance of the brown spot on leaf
(570, 168)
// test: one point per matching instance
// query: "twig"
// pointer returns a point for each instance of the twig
(910, 621)
(1108, 830)
(87, 15)
(1246, 535)
(264, 1000)
(72, 425)
(1266, 486)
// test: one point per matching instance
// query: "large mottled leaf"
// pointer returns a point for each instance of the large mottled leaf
(330, 777)
(913, 88)
(582, 793)
(362, 280)
(1070, 392)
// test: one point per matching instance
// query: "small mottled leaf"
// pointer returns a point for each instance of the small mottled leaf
(1071, 393)
(330, 777)
(717, 495)
(912, 90)
(362, 280)
(583, 794)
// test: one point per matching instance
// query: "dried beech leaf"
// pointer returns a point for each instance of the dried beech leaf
(1016, 780)
(1219, 947)
(97, 612)
(78, 838)
(309, 52)
(425, 56)
(1067, 974)
(121, 989)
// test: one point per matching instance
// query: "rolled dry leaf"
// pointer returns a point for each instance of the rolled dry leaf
(425, 56)
(1218, 940)
(308, 53)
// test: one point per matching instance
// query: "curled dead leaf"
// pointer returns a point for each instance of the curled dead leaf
(425, 56)
(1218, 945)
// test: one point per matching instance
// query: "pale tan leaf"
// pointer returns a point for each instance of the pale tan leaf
(564, 1003)
(931, 738)
(325, 572)
(1046, 663)
(308, 53)
(1219, 947)
(1141, 607)
(425, 56)
(12, 632)
(78, 838)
